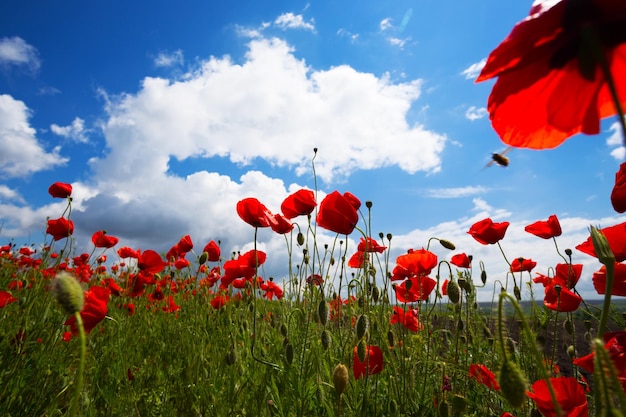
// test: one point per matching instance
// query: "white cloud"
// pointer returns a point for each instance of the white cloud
(400, 43)
(272, 107)
(456, 192)
(9, 194)
(20, 151)
(475, 113)
(616, 140)
(75, 131)
(473, 70)
(344, 33)
(385, 24)
(169, 59)
(293, 21)
(15, 51)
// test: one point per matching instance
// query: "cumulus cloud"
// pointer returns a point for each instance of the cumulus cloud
(293, 21)
(20, 151)
(169, 59)
(473, 70)
(16, 51)
(9, 194)
(475, 113)
(75, 131)
(271, 107)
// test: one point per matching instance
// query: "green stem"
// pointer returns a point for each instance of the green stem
(606, 307)
(78, 385)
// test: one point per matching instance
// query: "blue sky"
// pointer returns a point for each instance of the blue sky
(163, 115)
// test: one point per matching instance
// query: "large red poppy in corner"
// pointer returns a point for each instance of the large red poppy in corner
(549, 85)
(569, 394)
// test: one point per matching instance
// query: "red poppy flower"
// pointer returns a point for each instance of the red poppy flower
(315, 279)
(616, 235)
(373, 363)
(561, 299)
(126, 252)
(615, 345)
(414, 262)
(171, 306)
(483, 375)
(300, 203)
(461, 260)
(281, 224)
(150, 261)
(618, 195)
(619, 280)
(6, 298)
(60, 190)
(521, 264)
(370, 245)
(444, 287)
(337, 214)
(545, 229)
(487, 232)
(219, 301)
(358, 260)
(112, 286)
(415, 289)
(569, 394)
(94, 310)
(566, 275)
(254, 213)
(60, 228)
(549, 85)
(181, 263)
(354, 201)
(101, 240)
(213, 250)
(408, 319)
(271, 290)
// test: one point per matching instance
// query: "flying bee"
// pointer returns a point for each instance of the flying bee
(499, 158)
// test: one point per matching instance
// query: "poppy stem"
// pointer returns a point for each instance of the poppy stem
(78, 385)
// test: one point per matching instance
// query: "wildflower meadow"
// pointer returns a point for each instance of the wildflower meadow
(349, 331)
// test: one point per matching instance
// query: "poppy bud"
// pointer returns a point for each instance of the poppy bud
(322, 311)
(362, 325)
(393, 407)
(203, 258)
(483, 276)
(230, 356)
(68, 292)
(326, 339)
(300, 239)
(601, 246)
(568, 325)
(512, 383)
(518, 293)
(283, 330)
(289, 353)
(375, 294)
(361, 350)
(571, 351)
(454, 293)
(390, 338)
(341, 378)
(447, 244)
(458, 403)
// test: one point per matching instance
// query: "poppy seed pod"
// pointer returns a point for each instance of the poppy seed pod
(512, 383)
(341, 378)
(68, 292)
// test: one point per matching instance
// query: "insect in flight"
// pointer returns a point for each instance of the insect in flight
(499, 158)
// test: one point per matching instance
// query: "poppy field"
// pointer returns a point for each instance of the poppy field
(347, 331)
